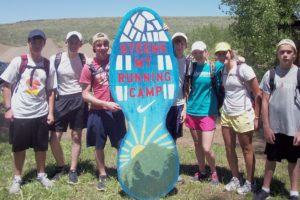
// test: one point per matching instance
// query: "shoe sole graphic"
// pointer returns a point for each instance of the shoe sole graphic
(143, 81)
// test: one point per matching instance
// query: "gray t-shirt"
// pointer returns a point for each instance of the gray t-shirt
(181, 70)
(68, 74)
(237, 99)
(284, 102)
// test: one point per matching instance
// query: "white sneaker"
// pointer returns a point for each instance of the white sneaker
(15, 186)
(245, 189)
(233, 185)
(45, 181)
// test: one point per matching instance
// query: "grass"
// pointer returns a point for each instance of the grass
(86, 189)
(15, 34)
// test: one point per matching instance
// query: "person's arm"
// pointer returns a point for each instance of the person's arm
(51, 99)
(7, 101)
(268, 132)
(297, 138)
(183, 113)
(253, 83)
(89, 98)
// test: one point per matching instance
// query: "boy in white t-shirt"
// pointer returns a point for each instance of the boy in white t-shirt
(70, 110)
(29, 99)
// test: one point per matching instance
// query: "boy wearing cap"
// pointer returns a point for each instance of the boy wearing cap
(281, 118)
(238, 118)
(70, 109)
(29, 107)
(202, 110)
(106, 118)
(176, 114)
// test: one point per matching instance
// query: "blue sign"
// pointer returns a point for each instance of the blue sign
(144, 82)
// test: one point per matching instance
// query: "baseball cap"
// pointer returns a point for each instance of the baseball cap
(222, 46)
(199, 45)
(287, 41)
(100, 36)
(70, 34)
(179, 34)
(36, 33)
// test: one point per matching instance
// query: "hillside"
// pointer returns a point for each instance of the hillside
(15, 34)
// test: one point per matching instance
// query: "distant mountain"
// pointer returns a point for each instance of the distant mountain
(16, 34)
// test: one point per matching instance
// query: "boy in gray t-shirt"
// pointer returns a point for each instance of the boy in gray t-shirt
(281, 114)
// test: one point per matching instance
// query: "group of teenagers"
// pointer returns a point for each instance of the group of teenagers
(72, 91)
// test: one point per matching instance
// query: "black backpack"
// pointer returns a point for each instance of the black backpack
(3, 66)
(219, 91)
(272, 80)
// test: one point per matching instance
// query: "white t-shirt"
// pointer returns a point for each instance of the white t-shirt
(29, 100)
(68, 74)
(237, 99)
(181, 70)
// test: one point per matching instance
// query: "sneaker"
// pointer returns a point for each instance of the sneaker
(261, 195)
(101, 184)
(45, 181)
(199, 176)
(180, 179)
(73, 177)
(294, 197)
(15, 186)
(245, 189)
(59, 172)
(214, 179)
(233, 185)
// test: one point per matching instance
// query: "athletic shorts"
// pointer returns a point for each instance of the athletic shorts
(70, 110)
(29, 133)
(241, 123)
(282, 149)
(103, 123)
(174, 123)
(204, 123)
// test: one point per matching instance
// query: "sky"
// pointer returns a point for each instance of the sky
(12, 11)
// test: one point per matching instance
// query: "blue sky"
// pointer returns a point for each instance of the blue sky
(20, 10)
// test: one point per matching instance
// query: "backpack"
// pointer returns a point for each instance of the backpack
(219, 91)
(272, 80)
(3, 66)
(24, 65)
(244, 83)
(58, 59)
(94, 72)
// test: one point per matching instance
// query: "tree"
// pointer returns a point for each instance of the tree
(259, 24)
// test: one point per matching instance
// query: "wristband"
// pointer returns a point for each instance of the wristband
(256, 117)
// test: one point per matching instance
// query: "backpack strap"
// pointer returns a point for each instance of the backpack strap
(82, 58)
(298, 80)
(272, 80)
(57, 60)
(213, 77)
(93, 73)
(23, 65)
(47, 69)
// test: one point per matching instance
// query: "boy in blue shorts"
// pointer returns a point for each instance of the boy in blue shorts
(106, 118)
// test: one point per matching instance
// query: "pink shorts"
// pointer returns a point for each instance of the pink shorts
(205, 123)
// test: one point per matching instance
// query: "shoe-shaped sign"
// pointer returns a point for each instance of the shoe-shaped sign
(144, 82)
